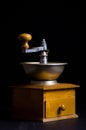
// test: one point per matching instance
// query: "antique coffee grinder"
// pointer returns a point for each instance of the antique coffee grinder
(43, 98)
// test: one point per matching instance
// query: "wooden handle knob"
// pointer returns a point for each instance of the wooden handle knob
(25, 38)
(62, 107)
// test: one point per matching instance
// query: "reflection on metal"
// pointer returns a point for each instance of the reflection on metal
(52, 82)
(43, 72)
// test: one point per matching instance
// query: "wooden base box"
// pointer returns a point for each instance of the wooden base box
(44, 102)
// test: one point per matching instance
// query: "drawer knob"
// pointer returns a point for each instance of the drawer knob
(62, 107)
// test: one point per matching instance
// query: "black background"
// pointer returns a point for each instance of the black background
(59, 25)
(60, 28)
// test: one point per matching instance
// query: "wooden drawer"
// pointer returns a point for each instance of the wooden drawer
(61, 107)
(59, 103)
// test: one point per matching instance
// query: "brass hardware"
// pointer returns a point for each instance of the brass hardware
(62, 107)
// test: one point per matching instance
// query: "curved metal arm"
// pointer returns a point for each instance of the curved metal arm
(43, 47)
(25, 38)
